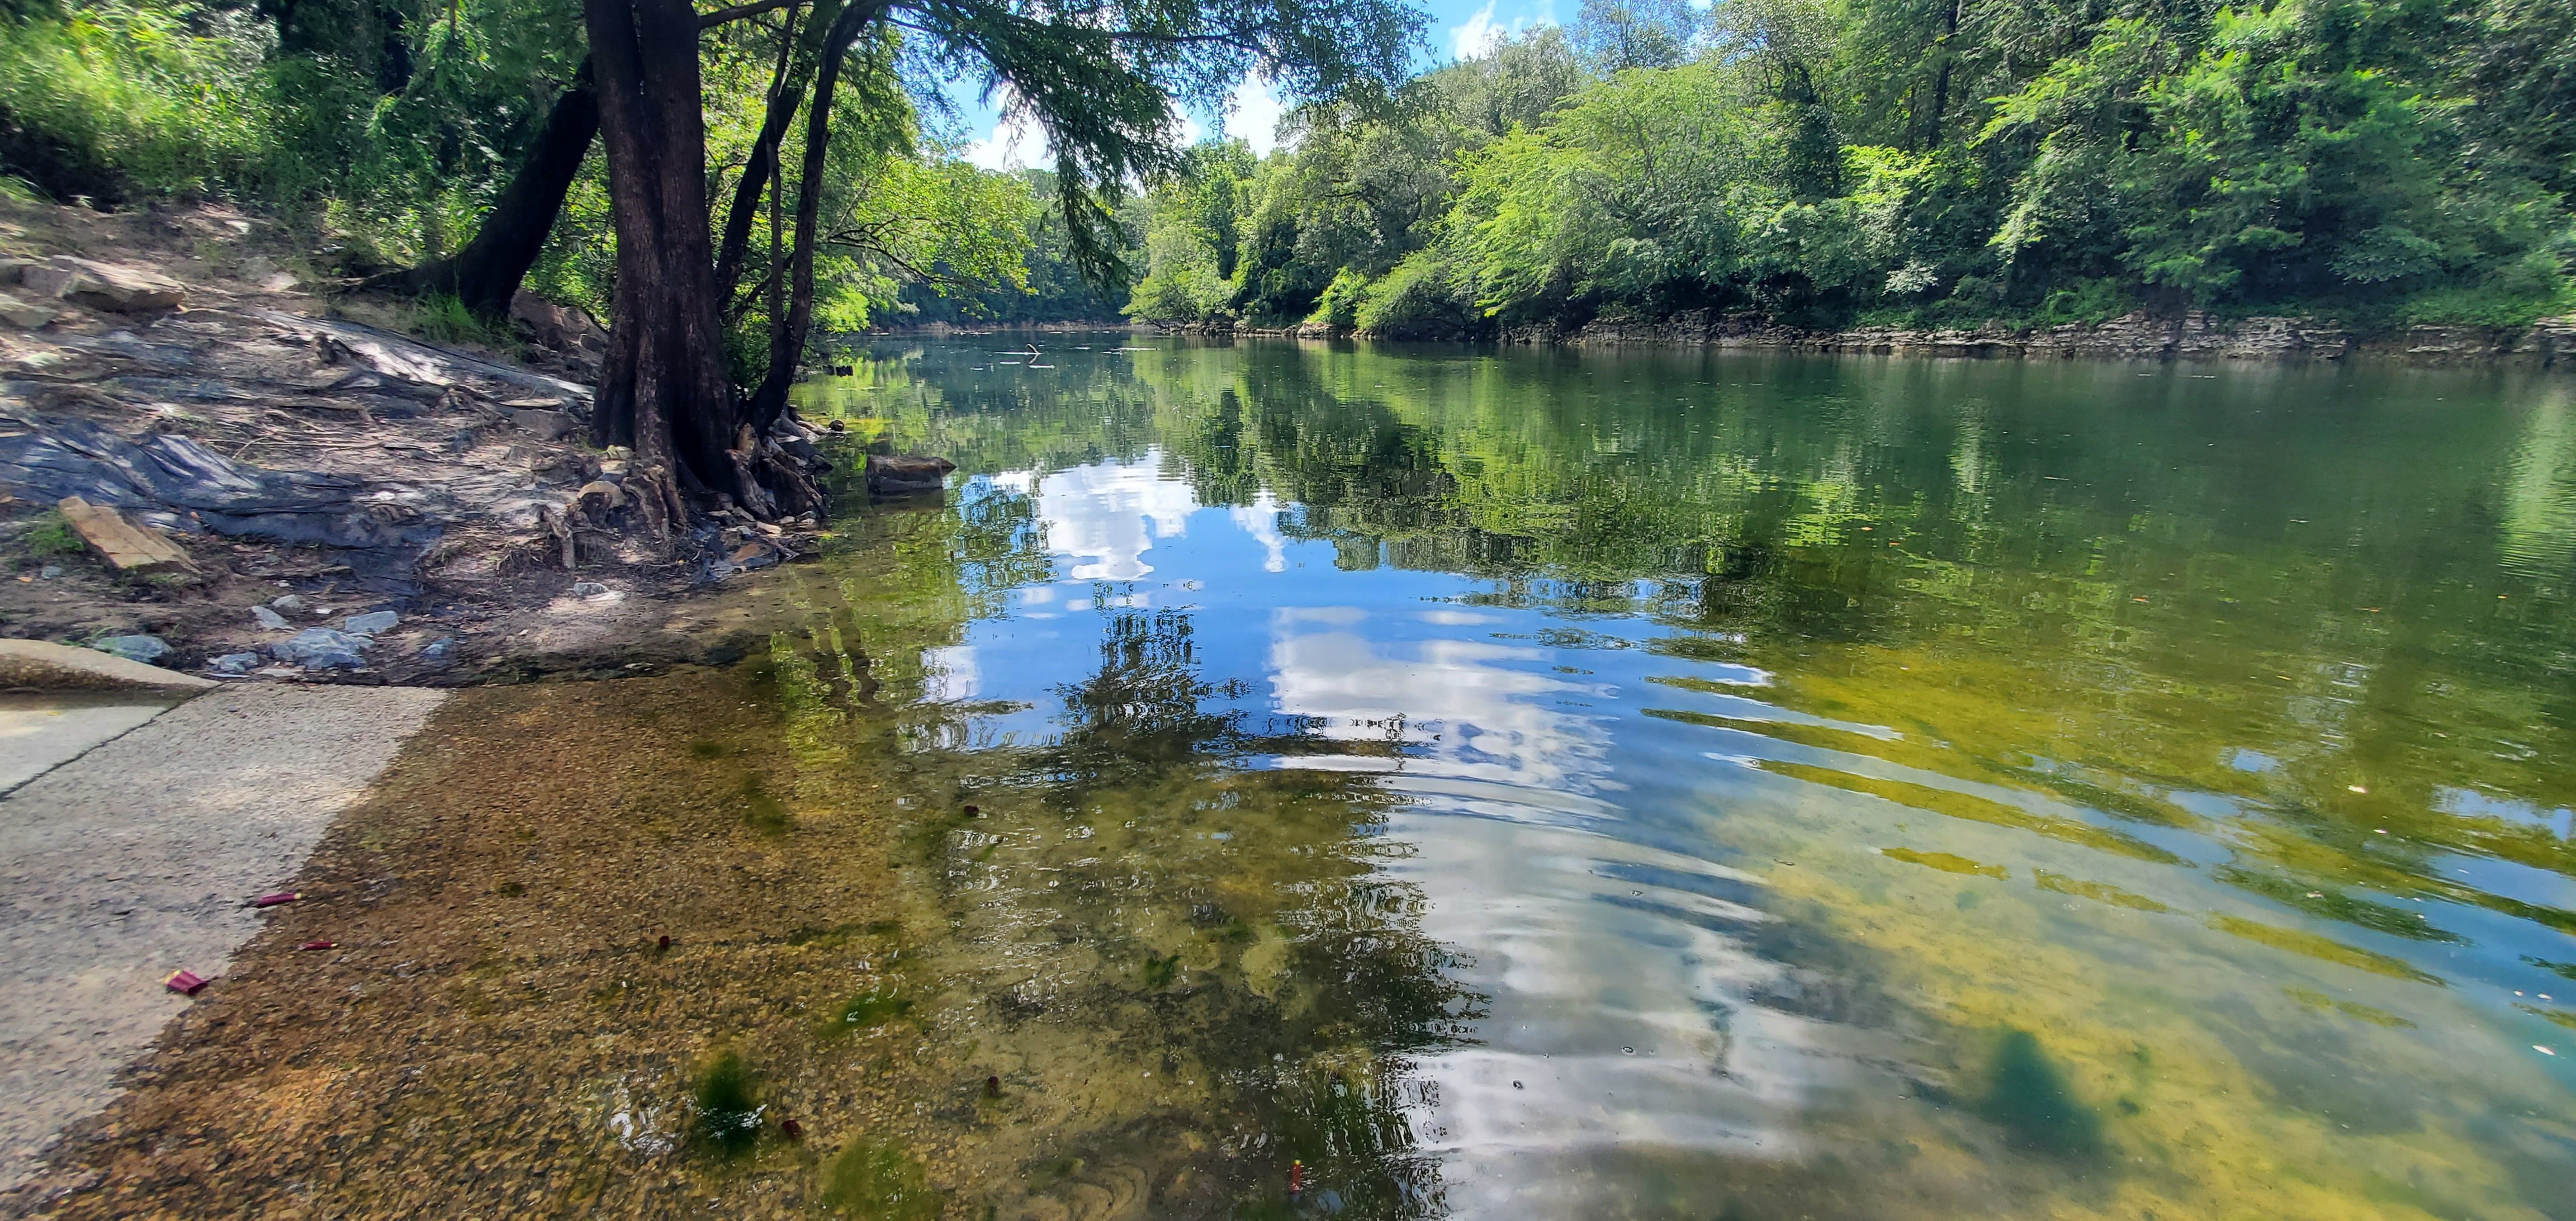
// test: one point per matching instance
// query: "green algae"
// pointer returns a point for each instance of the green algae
(876, 1180)
(1945, 862)
(727, 1114)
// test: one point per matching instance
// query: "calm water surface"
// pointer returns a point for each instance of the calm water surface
(1682, 785)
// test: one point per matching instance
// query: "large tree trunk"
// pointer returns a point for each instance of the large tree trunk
(663, 388)
(787, 345)
(488, 271)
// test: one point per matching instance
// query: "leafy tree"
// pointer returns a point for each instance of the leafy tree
(1622, 34)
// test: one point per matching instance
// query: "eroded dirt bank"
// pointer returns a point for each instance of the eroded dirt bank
(315, 464)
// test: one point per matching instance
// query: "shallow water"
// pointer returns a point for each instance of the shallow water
(1697, 785)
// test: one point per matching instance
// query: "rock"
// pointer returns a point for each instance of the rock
(752, 555)
(42, 663)
(145, 649)
(291, 604)
(320, 648)
(373, 623)
(268, 618)
(235, 663)
(11, 269)
(561, 327)
(19, 313)
(602, 494)
(909, 476)
(49, 572)
(439, 650)
(103, 286)
(589, 589)
(548, 425)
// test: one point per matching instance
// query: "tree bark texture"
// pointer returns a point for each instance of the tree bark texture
(662, 389)
(488, 271)
(787, 345)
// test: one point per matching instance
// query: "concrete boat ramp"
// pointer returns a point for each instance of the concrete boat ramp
(138, 816)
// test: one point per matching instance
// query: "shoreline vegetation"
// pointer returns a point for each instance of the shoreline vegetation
(2547, 344)
(1949, 177)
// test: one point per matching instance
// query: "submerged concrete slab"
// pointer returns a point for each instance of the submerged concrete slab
(39, 733)
(133, 861)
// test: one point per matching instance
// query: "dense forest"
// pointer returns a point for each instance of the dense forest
(1815, 162)
(1914, 162)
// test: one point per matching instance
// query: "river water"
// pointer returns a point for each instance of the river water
(1416, 783)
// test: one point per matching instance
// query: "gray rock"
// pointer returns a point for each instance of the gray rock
(588, 589)
(320, 648)
(103, 286)
(145, 649)
(49, 572)
(372, 623)
(268, 618)
(439, 650)
(235, 663)
(25, 315)
(291, 604)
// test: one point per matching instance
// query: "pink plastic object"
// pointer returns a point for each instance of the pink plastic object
(318, 945)
(185, 983)
(283, 896)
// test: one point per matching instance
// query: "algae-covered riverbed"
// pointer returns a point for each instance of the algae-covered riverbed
(1279, 781)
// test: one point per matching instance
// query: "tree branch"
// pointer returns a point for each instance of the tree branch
(736, 12)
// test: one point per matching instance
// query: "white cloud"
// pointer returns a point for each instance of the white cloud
(1253, 114)
(1480, 34)
(1476, 35)
(1015, 144)
(1260, 519)
(1106, 517)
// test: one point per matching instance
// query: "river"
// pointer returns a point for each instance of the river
(1284, 780)
(1679, 784)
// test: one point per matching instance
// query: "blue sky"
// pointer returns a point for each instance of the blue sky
(1457, 27)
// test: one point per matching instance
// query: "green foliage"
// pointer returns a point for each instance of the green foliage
(109, 100)
(51, 535)
(1425, 297)
(1195, 237)
(2384, 162)
(441, 318)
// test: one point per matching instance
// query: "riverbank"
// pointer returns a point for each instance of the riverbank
(347, 501)
(2197, 336)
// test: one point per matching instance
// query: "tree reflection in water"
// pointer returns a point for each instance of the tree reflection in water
(1185, 965)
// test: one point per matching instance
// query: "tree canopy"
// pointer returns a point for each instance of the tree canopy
(1940, 162)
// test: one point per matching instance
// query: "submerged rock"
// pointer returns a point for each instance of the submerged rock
(320, 648)
(145, 649)
(908, 476)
